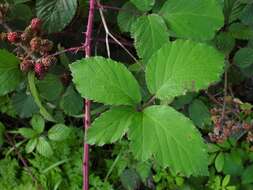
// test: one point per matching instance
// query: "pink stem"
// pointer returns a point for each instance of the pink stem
(72, 49)
(87, 103)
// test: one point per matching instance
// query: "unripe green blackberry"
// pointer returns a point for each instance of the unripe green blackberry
(35, 44)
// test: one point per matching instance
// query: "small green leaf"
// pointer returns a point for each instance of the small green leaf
(247, 176)
(21, 1)
(247, 15)
(225, 181)
(2, 130)
(38, 123)
(71, 102)
(24, 104)
(244, 58)
(224, 42)
(232, 10)
(43, 147)
(27, 132)
(233, 164)
(180, 101)
(59, 132)
(219, 162)
(199, 113)
(50, 87)
(111, 82)
(56, 14)
(144, 170)
(241, 31)
(130, 179)
(195, 19)
(127, 16)
(212, 148)
(10, 74)
(111, 126)
(143, 5)
(182, 66)
(171, 138)
(30, 146)
(149, 33)
(21, 12)
(231, 188)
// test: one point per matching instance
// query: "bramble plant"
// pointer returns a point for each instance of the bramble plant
(164, 95)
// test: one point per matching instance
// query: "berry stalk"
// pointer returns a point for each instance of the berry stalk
(87, 103)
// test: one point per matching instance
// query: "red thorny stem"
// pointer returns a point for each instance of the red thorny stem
(87, 103)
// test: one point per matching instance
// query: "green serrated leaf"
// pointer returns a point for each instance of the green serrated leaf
(27, 132)
(171, 138)
(143, 5)
(24, 104)
(111, 126)
(43, 147)
(56, 14)
(71, 102)
(183, 66)
(30, 146)
(59, 132)
(10, 74)
(149, 33)
(105, 81)
(195, 19)
(127, 16)
(38, 123)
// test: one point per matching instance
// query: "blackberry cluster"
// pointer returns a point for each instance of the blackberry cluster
(34, 50)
